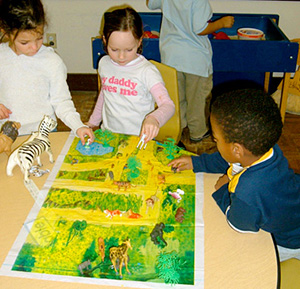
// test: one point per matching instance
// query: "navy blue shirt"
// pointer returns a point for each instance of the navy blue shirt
(266, 197)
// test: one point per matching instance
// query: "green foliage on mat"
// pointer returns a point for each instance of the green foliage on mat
(92, 200)
(169, 266)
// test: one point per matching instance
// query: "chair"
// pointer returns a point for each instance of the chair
(288, 92)
(171, 129)
(290, 274)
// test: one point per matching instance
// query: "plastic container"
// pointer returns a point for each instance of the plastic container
(250, 34)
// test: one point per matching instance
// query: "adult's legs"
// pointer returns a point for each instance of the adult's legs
(198, 97)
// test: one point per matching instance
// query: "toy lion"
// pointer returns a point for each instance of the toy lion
(8, 134)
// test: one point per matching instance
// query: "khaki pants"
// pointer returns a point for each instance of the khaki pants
(194, 97)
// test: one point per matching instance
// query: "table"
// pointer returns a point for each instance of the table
(232, 260)
(235, 62)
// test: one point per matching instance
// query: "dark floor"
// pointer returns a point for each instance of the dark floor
(289, 141)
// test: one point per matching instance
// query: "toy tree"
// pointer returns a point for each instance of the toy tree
(104, 136)
(134, 165)
(170, 148)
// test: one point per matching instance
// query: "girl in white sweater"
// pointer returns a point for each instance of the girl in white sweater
(32, 76)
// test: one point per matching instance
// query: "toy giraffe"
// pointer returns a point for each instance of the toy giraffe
(120, 252)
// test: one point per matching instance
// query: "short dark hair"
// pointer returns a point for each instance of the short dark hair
(126, 19)
(21, 15)
(249, 117)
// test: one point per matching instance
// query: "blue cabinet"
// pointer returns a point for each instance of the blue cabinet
(233, 59)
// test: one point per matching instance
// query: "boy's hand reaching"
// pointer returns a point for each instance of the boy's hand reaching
(221, 181)
(182, 163)
(150, 128)
(84, 131)
(4, 111)
(227, 21)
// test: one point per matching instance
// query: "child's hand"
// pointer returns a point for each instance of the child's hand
(182, 163)
(227, 21)
(221, 181)
(4, 111)
(150, 128)
(84, 131)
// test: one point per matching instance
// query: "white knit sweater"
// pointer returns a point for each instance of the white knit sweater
(32, 86)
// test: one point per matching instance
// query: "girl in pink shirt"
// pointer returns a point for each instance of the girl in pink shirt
(130, 84)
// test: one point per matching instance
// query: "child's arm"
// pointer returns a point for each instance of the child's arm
(4, 111)
(224, 22)
(209, 163)
(161, 115)
(96, 116)
(240, 216)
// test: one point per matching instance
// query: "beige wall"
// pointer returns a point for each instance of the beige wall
(76, 21)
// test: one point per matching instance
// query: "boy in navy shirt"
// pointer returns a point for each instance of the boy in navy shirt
(257, 190)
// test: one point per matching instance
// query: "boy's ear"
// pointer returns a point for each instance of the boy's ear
(238, 150)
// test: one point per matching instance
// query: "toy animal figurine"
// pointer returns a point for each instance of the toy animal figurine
(157, 235)
(179, 216)
(25, 155)
(120, 253)
(177, 195)
(8, 134)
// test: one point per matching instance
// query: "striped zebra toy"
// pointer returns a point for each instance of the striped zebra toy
(25, 155)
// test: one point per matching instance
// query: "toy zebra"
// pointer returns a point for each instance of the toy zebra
(25, 155)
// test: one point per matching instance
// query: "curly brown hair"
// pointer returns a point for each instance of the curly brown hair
(249, 117)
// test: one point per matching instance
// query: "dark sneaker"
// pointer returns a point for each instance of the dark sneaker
(181, 145)
(195, 140)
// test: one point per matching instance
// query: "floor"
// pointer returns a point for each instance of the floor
(289, 141)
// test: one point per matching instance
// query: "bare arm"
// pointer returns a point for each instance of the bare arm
(224, 22)
(4, 111)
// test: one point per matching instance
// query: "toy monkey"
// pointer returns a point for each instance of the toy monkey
(8, 134)
(157, 234)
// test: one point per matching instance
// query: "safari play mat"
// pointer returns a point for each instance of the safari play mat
(117, 215)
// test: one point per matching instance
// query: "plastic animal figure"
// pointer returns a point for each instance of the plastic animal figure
(120, 184)
(111, 214)
(150, 202)
(8, 134)
(85, 266)
(31, 150)
(157, 234)
(132, 215)
(179, 216)
(101, 247)
(177, 195)
(120, 253)
(38, 172)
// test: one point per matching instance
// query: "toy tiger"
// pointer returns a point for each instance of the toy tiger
(25, 155)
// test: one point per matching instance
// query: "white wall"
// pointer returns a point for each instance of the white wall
(76, 21)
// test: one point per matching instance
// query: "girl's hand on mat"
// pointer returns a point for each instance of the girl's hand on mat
(84, 131)
(150, 128)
